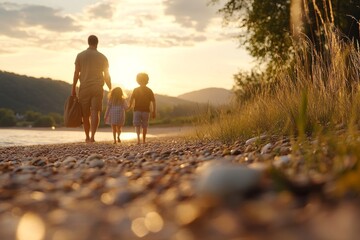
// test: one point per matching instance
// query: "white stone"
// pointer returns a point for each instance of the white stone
(266, 148)
(220, 180)
(255, 139)
(280, 161)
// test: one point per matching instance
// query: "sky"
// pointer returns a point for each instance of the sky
(183, 45)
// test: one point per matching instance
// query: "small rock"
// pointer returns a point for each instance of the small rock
(255, 139)
(235, 151)
(266, 148)
(99, 163)
(280, 161)
(94, 156)
(69, 160)
(38, 162)
(221, 180)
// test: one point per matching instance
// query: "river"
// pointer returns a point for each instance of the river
(33, 136)
(36, 136)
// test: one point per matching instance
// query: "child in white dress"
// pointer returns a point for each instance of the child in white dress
(115, 112)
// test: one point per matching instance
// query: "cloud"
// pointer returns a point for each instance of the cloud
(190, 13)
(157, 40)
(17, 19)
(104, 10)
(127, 23)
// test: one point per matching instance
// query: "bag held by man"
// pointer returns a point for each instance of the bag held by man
(72, 112)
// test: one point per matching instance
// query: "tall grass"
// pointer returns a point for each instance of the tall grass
(317, 93)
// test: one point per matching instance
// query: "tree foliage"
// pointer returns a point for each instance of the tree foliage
(271, 29)
(266, 28)
(44, 121)
(7, 118)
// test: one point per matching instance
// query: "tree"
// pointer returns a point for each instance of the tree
(44, 121)
(32, 116)
(270, 30)
(7, 117)
(58, 118)
(268, 27)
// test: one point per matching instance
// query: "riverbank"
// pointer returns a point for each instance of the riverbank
(170, 188)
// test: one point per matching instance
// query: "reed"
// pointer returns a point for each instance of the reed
(320, 91)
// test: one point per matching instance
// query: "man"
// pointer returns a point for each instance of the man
(92, 69)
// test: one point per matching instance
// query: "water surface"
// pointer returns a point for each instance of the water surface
(36, 136)
(13, 137)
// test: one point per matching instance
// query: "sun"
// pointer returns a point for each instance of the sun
(123, 75)
(123, 71)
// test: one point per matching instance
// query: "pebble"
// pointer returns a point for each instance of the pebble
(265, 149)
(222, 180)
(280, 161)
(160, 190)
(255, 139)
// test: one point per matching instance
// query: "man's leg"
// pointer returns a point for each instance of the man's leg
(85, 108)
(86, 126)
(95, 117)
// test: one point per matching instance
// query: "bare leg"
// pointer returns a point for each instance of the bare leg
(95, 117)
(118, 132)
(114, 132)
(144, 134)
(86, 126)
(138, 133)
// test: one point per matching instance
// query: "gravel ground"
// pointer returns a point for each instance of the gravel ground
(169, 188)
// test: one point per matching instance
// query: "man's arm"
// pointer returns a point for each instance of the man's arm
(75, 79)
(107, 78)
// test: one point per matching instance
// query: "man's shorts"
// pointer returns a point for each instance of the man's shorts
(141, 119)
(90, 99)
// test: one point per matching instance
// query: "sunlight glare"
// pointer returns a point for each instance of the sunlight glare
(31, 227)
(123, 71)
(154, 222)
(138, 227)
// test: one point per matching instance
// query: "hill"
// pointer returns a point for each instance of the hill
(212, 96)
(22, 93)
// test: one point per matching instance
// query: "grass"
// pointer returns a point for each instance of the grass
(316, 103)
(318, 93)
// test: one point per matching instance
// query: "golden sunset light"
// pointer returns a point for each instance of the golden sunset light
(179, 119)
(180, 44)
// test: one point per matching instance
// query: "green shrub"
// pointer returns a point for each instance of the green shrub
(7, 117)
(44, 121)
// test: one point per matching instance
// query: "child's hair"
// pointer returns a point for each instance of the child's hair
(116, 96)
(142, 78)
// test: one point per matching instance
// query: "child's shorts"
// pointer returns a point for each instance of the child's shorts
(141, 119)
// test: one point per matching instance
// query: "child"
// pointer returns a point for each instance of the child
(115, 112)
(143, 97)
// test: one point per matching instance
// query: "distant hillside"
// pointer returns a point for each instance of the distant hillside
(22, 93)
(212, 96)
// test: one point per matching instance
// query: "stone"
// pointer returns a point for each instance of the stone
(255, 139)
(220, 180)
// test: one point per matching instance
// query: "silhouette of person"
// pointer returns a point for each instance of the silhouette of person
(92, 69)
(143, 97)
